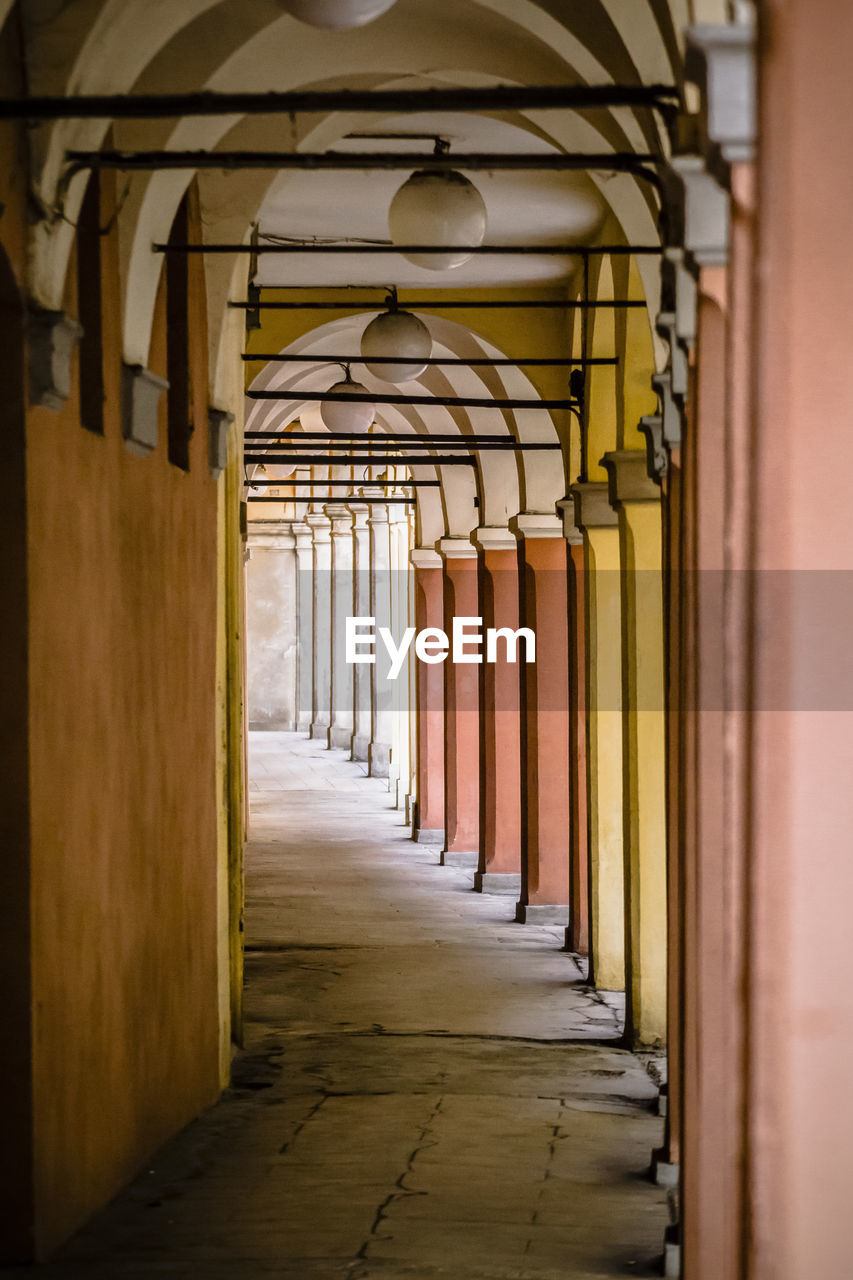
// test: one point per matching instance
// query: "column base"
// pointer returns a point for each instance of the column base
(304, 725)
(319, 730)
(360, 747)
(663, 1173)
(505, 882)
(541, 913)
(340, 736)
(459, 858)
(672, 1251)
(379, 760)
(429, 835)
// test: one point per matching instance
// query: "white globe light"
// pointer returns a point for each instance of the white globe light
(437, 208)
(396, 333)
(347, 419)
(337, 13)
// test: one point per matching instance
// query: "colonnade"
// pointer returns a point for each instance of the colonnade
(307, 575)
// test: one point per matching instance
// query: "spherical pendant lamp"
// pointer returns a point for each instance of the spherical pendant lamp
(437, 208)
(399, 334)
(344, 418)
(337, 13)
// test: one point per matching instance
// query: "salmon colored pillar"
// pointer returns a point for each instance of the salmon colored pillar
(546, 828)
(428, 825)
(499, 870)
(461, 711)
(577, 933)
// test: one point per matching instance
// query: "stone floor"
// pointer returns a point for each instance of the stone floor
(428, 1090)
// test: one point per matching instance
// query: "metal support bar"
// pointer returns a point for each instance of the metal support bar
(386, 459)
(380, 441)
(484, 362)
(545, 250)
(330, 497)
(413, 442)
(431, 304)
(452, 402)
(124, 106)
(346, 484)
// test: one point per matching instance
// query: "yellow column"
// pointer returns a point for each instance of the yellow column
(636, 498)
(598, 521)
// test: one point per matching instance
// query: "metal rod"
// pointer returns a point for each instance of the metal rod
(453, 402)
(330, 497)
(548, 250)
(639, 164)
(379, 441)
(431, 304)
(414, 442)
(346, 484)
(387, 459)
(661, 97)
(485, 361)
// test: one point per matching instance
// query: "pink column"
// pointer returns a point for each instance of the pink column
(462, 713)
(546, 839)
(499, 870)
(800, 764)
(428, 826)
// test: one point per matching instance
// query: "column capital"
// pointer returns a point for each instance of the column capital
(628, 479)
(657, 458)
(456, 549)
(592, 505)
(720, 59)
(52, 339)
(302, 534)
(703, 206)
(276, 535)
(494, 538)
(360, 512)
(341, 518)
(425, 558)
(320, 526)
(536, 524)
(572, 531)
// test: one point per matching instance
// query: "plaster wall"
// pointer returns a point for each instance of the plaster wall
(122, 581)
(272, 634)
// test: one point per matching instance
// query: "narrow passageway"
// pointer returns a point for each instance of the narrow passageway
(415, 1098)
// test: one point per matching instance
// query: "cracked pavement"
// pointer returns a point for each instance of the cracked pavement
(428, 1090)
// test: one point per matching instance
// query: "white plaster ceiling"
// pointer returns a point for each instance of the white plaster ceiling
(523, 208)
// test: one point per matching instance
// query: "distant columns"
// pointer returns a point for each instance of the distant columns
(545, 885)
(342, 595)
(381, 688)
(499, 869)
(598, 522)
(361, 609)
(462, 713)
(428, 826)
(304, 626)
(321, 699)
(271, 626)
(636, 498)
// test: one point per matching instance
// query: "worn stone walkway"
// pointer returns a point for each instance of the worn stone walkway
(427, 1089)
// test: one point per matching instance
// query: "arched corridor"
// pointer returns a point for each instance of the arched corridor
(426, 689)
(424, 1085)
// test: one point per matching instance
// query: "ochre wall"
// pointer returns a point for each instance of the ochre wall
(122, 580)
